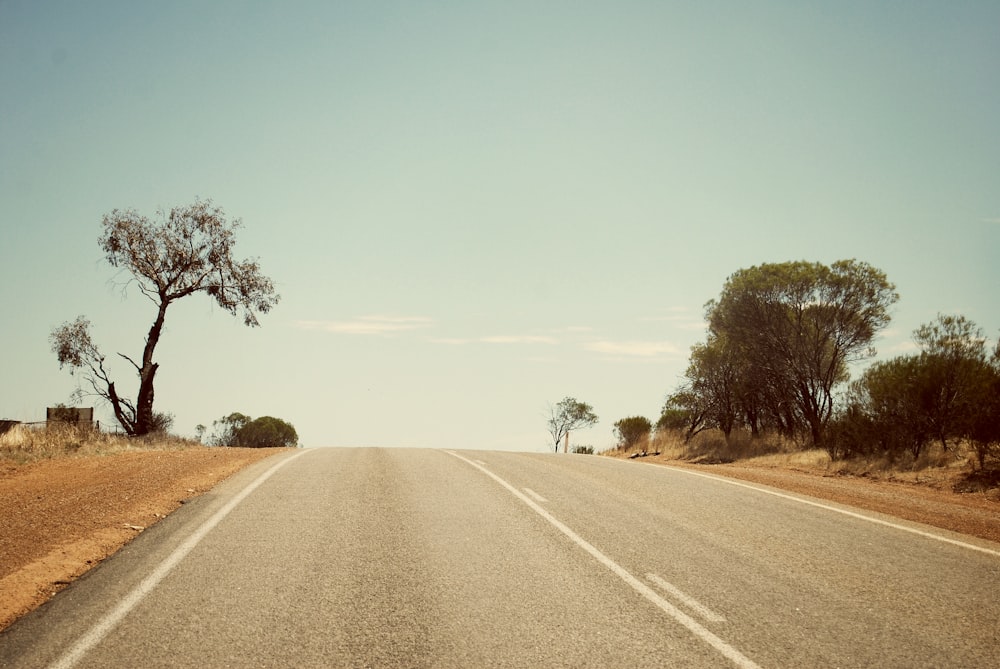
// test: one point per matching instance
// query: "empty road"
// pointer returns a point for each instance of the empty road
(438, 558)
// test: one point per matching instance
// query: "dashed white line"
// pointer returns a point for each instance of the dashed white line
(692, 603)
(535, 496)
(692, 625)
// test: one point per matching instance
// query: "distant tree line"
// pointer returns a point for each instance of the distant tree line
(781, 338)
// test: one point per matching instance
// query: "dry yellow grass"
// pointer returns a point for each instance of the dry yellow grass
(809, 459)
(24, 443)
(936, 467)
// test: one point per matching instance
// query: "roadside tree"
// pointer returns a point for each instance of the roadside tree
(948, 393)
(713, 375)
(242, 431)
(569, 415)
(956, 375)
(267, 432)
(797, 325)
(685, 412)
(188, 251)
(225, 430)
(886, 411)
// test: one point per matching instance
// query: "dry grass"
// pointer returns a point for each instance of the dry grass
(936, 467)
(811, 459)
(24, 444)
(952, 469)
(710, 447)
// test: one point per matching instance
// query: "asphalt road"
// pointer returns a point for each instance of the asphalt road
(435, 558)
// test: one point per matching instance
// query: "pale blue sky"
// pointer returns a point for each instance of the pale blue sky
(475, 209)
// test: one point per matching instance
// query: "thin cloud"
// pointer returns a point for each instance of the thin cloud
(519, 339)
(496, 339)
(693, 325)
(369, 325)
(633, 349)
(681, 318)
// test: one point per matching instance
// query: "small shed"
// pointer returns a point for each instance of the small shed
(69, 414)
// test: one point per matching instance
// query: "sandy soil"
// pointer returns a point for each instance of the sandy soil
(61, 517)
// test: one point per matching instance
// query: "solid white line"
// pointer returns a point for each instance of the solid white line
(693, 626)
(692, 603)
(104, 626)
(852, 514)
(534, 495)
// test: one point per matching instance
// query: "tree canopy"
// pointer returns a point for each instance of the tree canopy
(791, 329)
(632, 430)
(947, 393)
(188, 251)
(240, 430)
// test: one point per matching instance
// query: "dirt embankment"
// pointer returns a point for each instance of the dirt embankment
(60, 517)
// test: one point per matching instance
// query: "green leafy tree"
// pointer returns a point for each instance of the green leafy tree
(188, 251)
(713, 375)
(797, 326)
(266, 432)
(632, 431)
(886, 411)
(226, 429)
(672, 417)
(684, 411)
(949, 392)
(242, 431)
(984, 428)
(956, 375)
(569, 415)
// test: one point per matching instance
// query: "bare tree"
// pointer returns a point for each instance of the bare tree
(569, 415)
(188, 251)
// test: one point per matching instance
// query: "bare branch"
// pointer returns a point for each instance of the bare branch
(137, 367)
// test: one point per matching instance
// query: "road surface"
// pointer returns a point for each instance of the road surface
(438, 558)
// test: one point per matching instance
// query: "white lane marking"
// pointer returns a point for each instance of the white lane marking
(692, 603)
(693, 626)
(104, 626)
(852, 514)
(535, 496)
